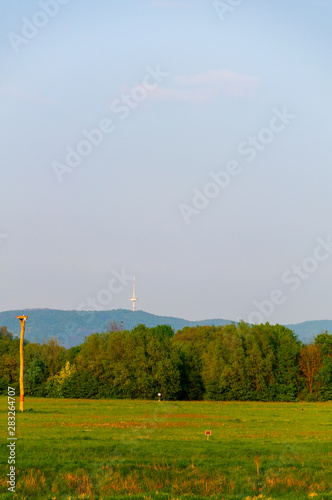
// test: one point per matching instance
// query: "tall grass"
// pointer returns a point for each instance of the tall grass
(147, 450)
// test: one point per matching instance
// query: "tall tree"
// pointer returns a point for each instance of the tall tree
(310, 362)
(54, 355)
(324, 376)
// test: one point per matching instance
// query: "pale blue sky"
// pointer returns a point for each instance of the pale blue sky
(221, 82)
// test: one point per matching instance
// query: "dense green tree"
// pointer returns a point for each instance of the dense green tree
(80, 385)
(164, 362)
(193, 343)
(72, 353)
(192, 386)
(251, 363)
(3, 385)
(5, 333)
(54, 355)
(324, 375)
(287, 373)
(35, 378)
(233, 362)
(9, 359)
(54, 386)
(224, 368)
(324, 340)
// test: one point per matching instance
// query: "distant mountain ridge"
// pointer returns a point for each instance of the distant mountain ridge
(71, 327)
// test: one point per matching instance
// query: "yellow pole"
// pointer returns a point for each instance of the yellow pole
(22, 320)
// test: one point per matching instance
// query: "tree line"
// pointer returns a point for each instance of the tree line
(234, 362)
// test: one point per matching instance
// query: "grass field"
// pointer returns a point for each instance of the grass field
(92, 449)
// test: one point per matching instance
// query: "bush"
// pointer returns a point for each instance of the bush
(80, 385)
(3, 385)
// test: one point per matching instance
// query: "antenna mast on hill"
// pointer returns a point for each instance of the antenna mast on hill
(134, 298)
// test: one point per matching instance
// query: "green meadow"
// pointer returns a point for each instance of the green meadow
(103, 449)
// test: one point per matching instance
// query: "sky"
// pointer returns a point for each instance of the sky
(184, 142)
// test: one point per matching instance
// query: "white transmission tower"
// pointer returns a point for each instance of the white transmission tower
(134, 298)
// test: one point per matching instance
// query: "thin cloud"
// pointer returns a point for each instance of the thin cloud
(21, 95)
(184, 95)
(226, 81)
(207, 87)
(167, 4)
(321, 3)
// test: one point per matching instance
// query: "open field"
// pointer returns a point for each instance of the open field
(93, 449)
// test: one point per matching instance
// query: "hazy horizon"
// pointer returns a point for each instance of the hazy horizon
(162, 315)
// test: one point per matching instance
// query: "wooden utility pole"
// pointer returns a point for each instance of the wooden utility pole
(22, 320)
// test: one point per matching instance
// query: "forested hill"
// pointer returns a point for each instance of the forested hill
(72, 326)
